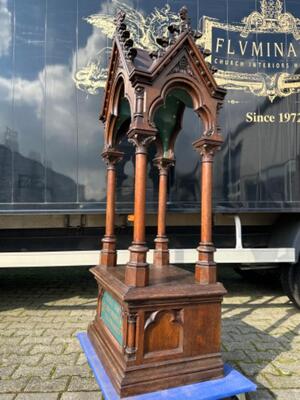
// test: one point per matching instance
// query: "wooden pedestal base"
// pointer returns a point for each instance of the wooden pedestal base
(160, 336)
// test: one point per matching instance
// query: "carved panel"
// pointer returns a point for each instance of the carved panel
(182, 66)
(163, 332)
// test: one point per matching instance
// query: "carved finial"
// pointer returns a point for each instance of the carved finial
(124, 35)
(119, 18)
(185, 20)
(163, 42)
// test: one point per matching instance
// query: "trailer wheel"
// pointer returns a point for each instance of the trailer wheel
(290, 281)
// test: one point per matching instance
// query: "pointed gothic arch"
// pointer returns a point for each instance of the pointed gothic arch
(145, 97)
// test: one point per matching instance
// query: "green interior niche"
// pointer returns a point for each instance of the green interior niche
(167, 116)
(123, 114)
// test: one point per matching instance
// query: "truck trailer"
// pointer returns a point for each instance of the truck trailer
(54, 57)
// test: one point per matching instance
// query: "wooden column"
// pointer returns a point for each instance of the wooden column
(137, 269)
(108, 256)
(205, 271)
(161, 252)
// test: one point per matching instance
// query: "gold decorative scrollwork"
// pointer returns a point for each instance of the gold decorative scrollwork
(271, 18)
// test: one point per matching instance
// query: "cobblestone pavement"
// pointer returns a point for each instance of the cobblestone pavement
(41, 310)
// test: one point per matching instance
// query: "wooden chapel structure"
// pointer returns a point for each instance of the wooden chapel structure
(158, 326)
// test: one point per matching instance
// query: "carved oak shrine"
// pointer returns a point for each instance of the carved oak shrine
(158, 326)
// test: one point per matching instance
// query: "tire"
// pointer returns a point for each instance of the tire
(290, 281)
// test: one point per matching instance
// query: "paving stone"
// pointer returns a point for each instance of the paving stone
(29, 332)
(262, 356)
(81, 396)
(81, 360)
(21, 349)
(6, 372)
(43, 349)
(288, 369)
(38, 340)
(238, 355)
(252, 369)
(291, 394)
(7, 332)
(58, 332)
(260, 337)
(51, 385)
(13, 386)
(72, 347)
(25, 370)
(15, 359)
(262, 394)
(271, 345)
(82, 384)
(61, 359)
(75, 370)
(283, 382)
(37, 396)
(234, 346)
(11, 341)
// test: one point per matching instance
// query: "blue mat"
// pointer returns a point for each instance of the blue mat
(233, 383)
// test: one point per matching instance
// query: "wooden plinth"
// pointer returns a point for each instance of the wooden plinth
(169, 333)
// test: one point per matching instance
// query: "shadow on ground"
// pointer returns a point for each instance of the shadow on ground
(256, 315)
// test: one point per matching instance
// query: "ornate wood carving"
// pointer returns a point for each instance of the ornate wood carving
(130, 348)
(182, 66)
(168, 320)
(163, 332)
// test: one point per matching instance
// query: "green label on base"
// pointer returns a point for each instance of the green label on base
(111, 315)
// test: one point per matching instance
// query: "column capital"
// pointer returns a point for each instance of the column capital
(208, 146)
(111, 156)
(141, 140)
(163, 164)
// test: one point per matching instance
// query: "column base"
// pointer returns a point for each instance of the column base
(108, 257)
(205, 274)
(161, 252)
(206, 271)
(136, 276)
(137, 269)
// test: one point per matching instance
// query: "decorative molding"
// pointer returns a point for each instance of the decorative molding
(183, 66)
(163, 164)
(160, 321)
(141, 141)
(139, 101)
(111, 156)
(130, 348)
(208, 146)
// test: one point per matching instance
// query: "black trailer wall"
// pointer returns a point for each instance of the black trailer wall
(53, 58)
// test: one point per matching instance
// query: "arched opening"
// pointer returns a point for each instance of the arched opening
(178, 127)
(178, 163)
